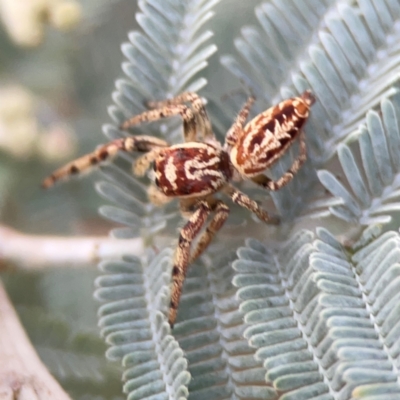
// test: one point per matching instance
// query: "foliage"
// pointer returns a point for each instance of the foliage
(304, 318)
(297, 313)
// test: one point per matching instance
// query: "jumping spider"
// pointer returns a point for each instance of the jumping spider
(197, 169)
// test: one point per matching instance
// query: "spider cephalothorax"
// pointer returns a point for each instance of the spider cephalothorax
(192, 170)
(197, 169)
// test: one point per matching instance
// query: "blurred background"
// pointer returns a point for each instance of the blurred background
(58, 63)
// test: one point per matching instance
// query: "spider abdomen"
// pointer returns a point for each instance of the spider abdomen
(192, 170)
(266, 137)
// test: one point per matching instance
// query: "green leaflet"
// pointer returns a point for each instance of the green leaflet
(303, 319)
(138, 335)
(322, 322)
(374, 197)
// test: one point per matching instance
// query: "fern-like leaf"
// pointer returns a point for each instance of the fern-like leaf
(209, 330)
(351, 45)
(162, 62)
(329, 47)
(283, 330)
(318, 319)
(374, 181)
(137, 332)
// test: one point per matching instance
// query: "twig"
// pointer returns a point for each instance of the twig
(22, 374)
(30, 252)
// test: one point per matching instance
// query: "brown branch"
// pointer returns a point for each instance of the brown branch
(30, 251)
(22, 374)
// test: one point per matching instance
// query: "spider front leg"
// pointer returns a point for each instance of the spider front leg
(182, 255)
(169, 110)
(104, 153)
(268, 183)
(200, 112)
(243, 200)
(237, 126)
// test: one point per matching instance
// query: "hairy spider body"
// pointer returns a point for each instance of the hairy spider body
(258, 145)
(267, 136)
(197, 169)
(192, 170)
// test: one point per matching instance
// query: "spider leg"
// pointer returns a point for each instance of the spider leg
(243, 200)
(266, 182)
(200, 112)
(189, 120)
(182, 255)
(221, 214)
(238, 124)
(104, 153)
